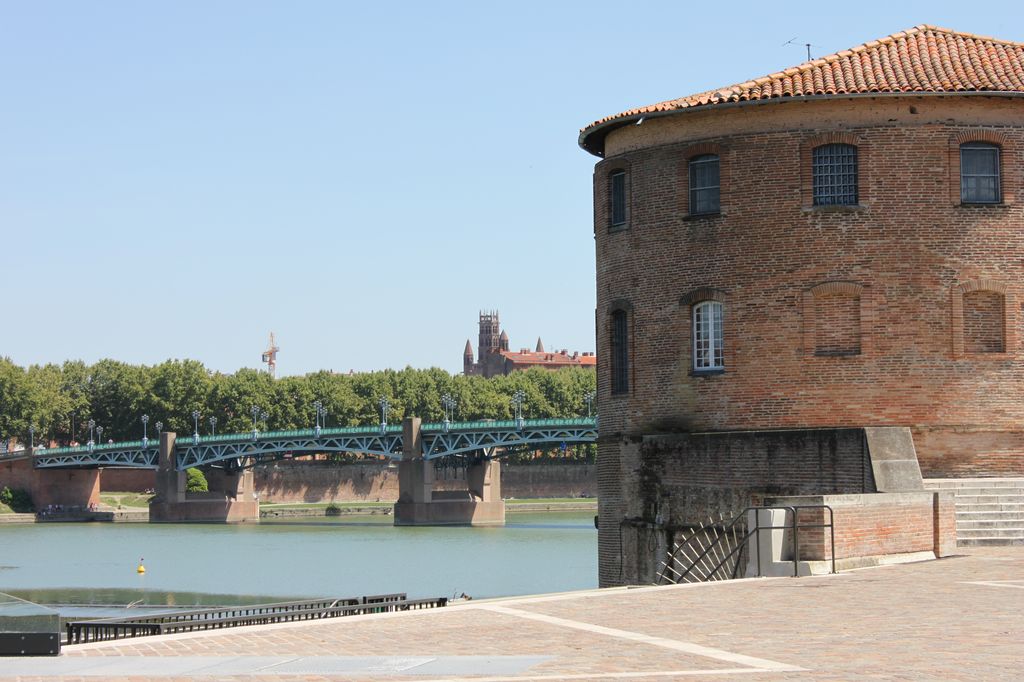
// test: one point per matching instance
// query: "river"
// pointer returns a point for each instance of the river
(200, 564)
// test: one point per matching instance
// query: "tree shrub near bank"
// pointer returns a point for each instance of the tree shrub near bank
(16, 500)
(195, 481)
(61, 399)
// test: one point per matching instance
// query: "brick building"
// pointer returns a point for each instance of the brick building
(496, 358)
(787, 261)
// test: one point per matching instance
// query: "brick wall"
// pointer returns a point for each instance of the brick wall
(316, 481)
(875, 525)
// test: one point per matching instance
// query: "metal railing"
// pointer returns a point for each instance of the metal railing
(80, 632)
(709, 558)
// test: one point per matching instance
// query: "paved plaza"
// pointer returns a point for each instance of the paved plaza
(960, 618)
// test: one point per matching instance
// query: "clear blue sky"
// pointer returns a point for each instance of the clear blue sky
(177, 179)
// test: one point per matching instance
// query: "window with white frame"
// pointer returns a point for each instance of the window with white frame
(707, 336)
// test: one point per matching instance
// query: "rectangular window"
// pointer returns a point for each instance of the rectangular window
(707, 336)
(979, 173)
(704, 184)
(618, 189)
(834, 170)
(620, 352)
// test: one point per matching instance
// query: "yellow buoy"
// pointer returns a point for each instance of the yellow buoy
(141, 568)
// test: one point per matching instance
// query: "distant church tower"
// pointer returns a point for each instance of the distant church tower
(490, 331)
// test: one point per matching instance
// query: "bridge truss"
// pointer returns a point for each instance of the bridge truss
(489, 439)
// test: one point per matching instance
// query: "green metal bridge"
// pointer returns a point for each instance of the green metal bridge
(487, 439)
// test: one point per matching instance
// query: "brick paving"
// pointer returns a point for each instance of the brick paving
(928, 620)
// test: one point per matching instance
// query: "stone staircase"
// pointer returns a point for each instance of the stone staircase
(989, 511)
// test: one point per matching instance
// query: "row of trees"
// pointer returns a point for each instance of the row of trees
(59, 400)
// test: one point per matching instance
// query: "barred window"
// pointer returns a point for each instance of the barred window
(979, 173)
(618, 197)
(707, 336)
(834, 168)
(704, 184)
(620, 352)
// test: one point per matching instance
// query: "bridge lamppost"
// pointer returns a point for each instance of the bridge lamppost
(92, 425)
(321, 416)
(145, 436)
(213, 426)
(263, 418)
(31, 437)
(384, 407)
(255, 417)
(99, 434)
(517, 403)
(159, 429)
(588, 397)
(449, 405)
(195, 432)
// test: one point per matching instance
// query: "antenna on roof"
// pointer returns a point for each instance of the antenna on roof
(792, 41)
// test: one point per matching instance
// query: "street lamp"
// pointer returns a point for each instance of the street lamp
(159, 429)
(195, 432)
(92, 425)
(145, 438)
(321, 416)
(255, 416)
(384, 407)
(517, 403)
(263, 418)
(99, 434)
(449, 405)
(31, 437)
(213, 426)
(589, 398)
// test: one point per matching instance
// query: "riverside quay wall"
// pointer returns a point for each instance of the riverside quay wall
(373, 481)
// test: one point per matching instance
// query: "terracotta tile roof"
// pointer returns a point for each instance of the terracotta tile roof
(922, 59)
(526, 357)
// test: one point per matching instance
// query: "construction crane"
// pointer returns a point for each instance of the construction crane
(270, 357)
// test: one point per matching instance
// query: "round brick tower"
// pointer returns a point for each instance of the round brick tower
(837, 245)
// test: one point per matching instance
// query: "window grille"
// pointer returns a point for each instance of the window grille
(979, 173)
(835, 175)
(618, 182)
(620, 352)
(707, 336)
(704, 184)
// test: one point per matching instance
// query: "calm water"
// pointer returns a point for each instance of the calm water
(219, 564)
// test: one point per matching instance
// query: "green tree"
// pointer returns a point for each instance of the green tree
(195, 481)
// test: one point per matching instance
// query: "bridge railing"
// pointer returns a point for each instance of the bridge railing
(485, 424)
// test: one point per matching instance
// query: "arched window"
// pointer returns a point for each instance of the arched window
(617, 198)
(834, 171)
(620, 351)
(979, 173)
(984, 313)
(704, 184)
(707, 336)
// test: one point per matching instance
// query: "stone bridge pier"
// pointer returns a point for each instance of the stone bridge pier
(419, 504)
(231, 498)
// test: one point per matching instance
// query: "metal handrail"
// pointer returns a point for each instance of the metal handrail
(794, 527)
(204, 619)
